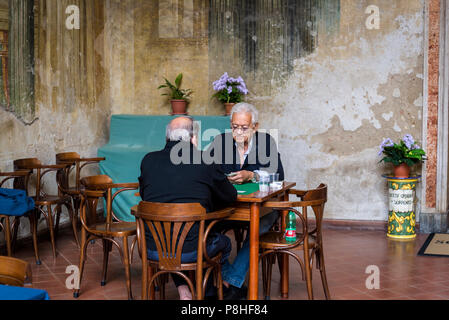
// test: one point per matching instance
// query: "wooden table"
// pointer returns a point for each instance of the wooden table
(249, 208)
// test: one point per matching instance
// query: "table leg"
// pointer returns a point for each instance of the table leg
(284, 261)
(254, 252)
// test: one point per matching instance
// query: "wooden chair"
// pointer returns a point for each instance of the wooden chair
(15, 272)
(19, 182)
(309, 241)
(73, 161)
(169, 224)
(96, 188)
(43, 200)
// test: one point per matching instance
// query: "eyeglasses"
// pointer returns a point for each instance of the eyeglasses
(237, 127)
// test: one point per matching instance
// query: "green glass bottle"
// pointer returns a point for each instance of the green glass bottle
(290, 232)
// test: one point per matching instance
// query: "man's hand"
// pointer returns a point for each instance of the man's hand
(241, 177)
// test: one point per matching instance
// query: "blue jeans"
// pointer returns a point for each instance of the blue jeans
(235, 273)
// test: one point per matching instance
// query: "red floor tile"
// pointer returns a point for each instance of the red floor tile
(403, 274)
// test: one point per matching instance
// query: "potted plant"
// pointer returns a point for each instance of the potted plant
(178, 97)
(402, 155)
(229, 91)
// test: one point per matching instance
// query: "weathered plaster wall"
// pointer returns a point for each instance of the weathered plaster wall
(357, 88)
(333, 104)
(72, 106)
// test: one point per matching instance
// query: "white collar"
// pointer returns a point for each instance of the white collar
(250, 145)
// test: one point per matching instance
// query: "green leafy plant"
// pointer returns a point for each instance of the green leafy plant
(175, 91)
(406, 151)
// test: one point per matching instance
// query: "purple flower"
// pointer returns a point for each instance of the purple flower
(386, 143)
(230, 89)
(408, 140)
(415, 146)
(242, 89)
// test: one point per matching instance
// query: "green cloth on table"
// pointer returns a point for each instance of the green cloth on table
(247, 188)
(131, 138)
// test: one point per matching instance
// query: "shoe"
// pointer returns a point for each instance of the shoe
(234, 293)
(211, 293)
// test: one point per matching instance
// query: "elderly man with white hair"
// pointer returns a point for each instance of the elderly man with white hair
(166, 180)
(244, 155)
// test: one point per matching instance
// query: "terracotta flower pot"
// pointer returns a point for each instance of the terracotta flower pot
(178, 107)
(228, 107)
(402, 171)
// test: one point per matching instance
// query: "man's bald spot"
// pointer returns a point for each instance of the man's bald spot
(181, 123)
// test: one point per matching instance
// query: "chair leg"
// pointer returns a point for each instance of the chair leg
(320, 258)
(83, 249)
(133, 245)
(149, 290)
(106, 249)
(74, 220)
(58, 210)
(33, 216)
(76, 206)
(15, 228)
(7, 228)
(269, 272)
(219, 282)
(164, 282)
(51, 229)
(308, 273)
(127, 267)
(264, 276)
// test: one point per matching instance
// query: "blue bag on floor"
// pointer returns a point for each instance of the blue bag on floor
(14, 202)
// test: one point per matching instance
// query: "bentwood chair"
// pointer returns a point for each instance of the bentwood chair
(307, 240)
(95, 189)
(14, 272)
(73, 161)
(44, 203)
(169, 224)
(19, 182)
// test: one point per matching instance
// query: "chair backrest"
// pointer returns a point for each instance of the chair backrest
(26, 164)
(64, 157)
(101, 186)
(14, 272)
(319, 194)
(169, 224)
(63, 175)
(20, 179)
(41, 170)
(96, 182)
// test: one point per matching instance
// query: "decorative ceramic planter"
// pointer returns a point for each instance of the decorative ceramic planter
(402, 171)
(228, 107)
(178, 107)
(401, 216)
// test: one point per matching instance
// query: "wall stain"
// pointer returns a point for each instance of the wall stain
(263, 38)
(338, 141)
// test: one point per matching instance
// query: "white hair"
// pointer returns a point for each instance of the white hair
(247, 108)
(181, 132)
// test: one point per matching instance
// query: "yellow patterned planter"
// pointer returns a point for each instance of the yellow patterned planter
(402, 217)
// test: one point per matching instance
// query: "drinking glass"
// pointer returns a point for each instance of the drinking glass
(264, 184)
(275, 184)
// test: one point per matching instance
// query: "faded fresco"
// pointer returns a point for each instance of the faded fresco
(332, 75)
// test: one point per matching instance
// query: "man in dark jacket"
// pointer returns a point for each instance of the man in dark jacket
(177, 174)
(244, 154)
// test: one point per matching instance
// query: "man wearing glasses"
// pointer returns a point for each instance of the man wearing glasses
(244, 155)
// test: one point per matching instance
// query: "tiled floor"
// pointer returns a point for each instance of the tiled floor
(403, 274)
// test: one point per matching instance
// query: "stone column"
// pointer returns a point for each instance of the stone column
(21, 58)
(433, 217)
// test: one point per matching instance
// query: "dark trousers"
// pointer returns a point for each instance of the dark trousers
(216, 243)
